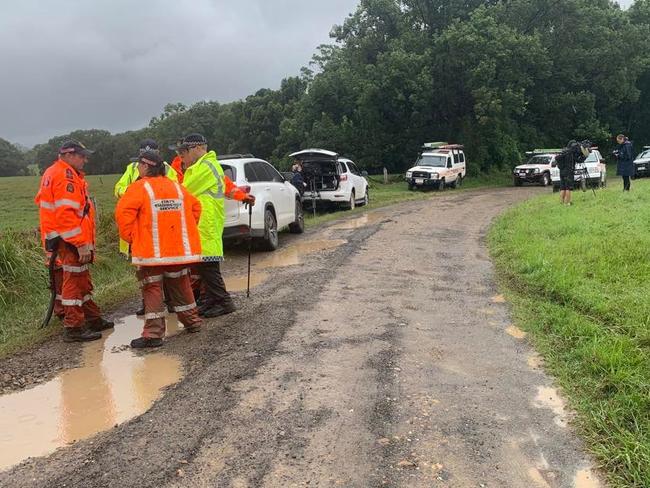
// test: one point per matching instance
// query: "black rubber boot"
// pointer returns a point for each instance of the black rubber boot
(145, 342)
(140, 311)
(100, 324)
(193, 329)
(218, 310)
(79, 334)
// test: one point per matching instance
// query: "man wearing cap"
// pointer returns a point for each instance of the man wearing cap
(204, 178)
(158, 218)
(131, 174)
(67, 223)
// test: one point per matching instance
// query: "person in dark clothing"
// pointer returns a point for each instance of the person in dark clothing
(624, 154)
(297, 179)
(565, 162)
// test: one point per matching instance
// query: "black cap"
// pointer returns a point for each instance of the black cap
(191, 140)
(148, 145)
(152, 158)
(174, 147)
(72, 146)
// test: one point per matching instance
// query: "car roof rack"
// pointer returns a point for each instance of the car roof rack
(543, 151)
(441, 145)
(646, 147)
(225, 157)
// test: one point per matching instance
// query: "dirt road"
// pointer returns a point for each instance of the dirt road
(386, 359)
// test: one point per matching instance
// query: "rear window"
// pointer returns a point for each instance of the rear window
(230, 172)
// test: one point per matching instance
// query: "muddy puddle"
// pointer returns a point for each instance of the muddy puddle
(112, 386)
(360, 222)
(288, 256)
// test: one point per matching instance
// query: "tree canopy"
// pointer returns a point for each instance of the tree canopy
(500, 77)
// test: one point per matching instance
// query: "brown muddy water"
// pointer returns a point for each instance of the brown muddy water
(112, 386)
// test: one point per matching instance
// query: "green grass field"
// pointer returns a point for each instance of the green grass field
(578, 279)
(23, 277)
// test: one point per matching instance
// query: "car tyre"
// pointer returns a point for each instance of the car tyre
(546, 179)
(366, 198)
(583, 184)
(441, 185)
(298, 227)
(411, 187)
(352, 204)
(270, 240)
(456, 183)
(516, 181)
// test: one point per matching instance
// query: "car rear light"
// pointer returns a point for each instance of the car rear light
(245, 188)
(344, 177)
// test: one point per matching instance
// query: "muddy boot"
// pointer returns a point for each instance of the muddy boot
(193, 329)
(80, 334)
(218, 310)
(145, 342)
(100, 324)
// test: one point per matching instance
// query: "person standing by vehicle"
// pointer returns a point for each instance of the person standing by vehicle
(565, 162)
(67, 224)
(624, 155)
(297, 179)
(204, 178)
(158, 218)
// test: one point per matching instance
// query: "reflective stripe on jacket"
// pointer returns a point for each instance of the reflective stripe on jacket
(65, 209)
(158, 217)
(205, 180)
(131, 175)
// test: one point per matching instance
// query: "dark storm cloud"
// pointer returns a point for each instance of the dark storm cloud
(113, 64)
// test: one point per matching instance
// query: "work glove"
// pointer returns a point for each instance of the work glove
(85, 254)
(249, 200)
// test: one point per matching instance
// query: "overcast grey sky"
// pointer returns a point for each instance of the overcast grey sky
(114, 64)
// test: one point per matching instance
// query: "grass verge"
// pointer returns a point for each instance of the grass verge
(577, 278)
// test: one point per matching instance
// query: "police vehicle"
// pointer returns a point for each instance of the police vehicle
(591, 173)
(642, 163)
(537, 169)
(440, 165)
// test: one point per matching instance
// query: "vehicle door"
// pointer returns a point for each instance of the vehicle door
(284, 198)
(258, 190)
(231, 206)
(449, 170)
(358, 180)
(463, 164)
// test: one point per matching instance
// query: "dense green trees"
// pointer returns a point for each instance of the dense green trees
(498, 76)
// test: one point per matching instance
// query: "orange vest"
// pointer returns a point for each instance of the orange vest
(177, 164)
(65, 209)
(158, 217)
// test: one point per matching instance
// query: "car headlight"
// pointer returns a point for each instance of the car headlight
(536, 170)
(409, 174)
(433, 176)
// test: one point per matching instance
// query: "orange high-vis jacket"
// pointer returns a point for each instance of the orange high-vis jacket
(65, 209)
(177, 164)
(158, 217)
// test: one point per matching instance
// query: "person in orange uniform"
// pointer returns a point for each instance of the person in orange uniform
(158, 218)
(177, 164)
(67, 223)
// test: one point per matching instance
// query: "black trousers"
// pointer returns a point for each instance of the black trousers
(215, 288)
(626, 183)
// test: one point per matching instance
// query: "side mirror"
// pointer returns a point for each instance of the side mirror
(364, 174)
(553, 164)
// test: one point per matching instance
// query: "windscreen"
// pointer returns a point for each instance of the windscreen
(539, 160)
(432, 160)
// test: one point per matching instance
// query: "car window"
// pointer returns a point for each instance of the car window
(449, 162)
(230, 172)
(250, 173)
(462, 157)
(273, 173)
(262, 171)
(456, 158)
(643, 155)
(354, 169)
(343, 167)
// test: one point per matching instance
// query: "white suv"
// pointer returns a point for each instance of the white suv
(331, 179)
(439, 165)
(642, 163)
(595, 168)
(537, 169)
(277, 202)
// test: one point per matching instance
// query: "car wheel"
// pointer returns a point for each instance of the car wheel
(516, 181)
(352, 204)
(366, 198)
(456, 183)
(411, 187)
(298, 227)
(583, 184)
(546, 180)
(270, 239)
(441, 185)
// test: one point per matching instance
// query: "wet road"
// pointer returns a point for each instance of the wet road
(373, 352)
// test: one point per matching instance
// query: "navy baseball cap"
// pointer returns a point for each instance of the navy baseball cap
(72, 146)
(189, 141)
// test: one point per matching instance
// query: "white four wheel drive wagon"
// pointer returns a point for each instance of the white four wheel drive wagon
(537, 169)
(332, 180)
(440, 165)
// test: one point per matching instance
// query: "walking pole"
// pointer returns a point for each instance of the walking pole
(250, 248)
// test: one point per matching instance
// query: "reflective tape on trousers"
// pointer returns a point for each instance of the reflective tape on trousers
(152, 279)
(176, 274)
(75, 303)
(184, 308)
(155, 315)
(75, 269)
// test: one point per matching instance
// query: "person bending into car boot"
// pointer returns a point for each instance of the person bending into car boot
(204, 178)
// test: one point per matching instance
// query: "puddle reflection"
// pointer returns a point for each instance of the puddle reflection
(112, 386)
(358, 223)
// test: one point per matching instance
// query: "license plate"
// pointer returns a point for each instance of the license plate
(419, 181)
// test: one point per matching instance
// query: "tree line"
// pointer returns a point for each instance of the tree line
(500, 76)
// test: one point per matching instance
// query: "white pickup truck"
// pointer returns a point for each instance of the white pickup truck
(537, 169)
(439, 165)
